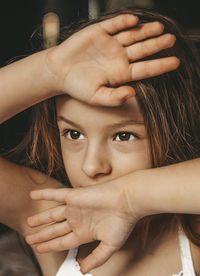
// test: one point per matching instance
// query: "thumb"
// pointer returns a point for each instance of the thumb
(107, 96)
(98, 257)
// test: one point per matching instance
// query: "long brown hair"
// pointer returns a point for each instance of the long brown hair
(170, 105)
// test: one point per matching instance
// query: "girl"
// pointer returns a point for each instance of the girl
(55, 71)
(159, 127)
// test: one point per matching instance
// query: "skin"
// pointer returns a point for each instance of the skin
(96, 153)
(84, 54)
(85, 49)
(57, 74)
(99, 154)
(16, 190)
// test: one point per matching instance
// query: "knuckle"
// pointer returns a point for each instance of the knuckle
(132, 36)
(51, 215)
(158, 44)
(125, 19)
(145, 29)
(112, 24)
(145, 49)
(41, 238)
(51, 230)
(36, 236)
(162, 66)
(148, 70)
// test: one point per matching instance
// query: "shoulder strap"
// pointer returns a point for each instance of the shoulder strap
(70, 266)
(186, 257)
(72, 253)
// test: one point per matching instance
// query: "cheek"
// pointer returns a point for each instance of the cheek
(123, 162)
(72, 163)
(138, 159)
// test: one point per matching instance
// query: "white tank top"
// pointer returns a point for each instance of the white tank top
(186, 257)
(71, 267)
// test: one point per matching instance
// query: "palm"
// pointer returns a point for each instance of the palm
(104, 67)
(109, 226)
(103, 56)
(89, 215)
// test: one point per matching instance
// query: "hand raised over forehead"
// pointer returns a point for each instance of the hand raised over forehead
(102, 57)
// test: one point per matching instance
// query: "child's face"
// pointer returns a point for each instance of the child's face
(100, 144)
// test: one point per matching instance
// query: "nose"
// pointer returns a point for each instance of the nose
(96, 162)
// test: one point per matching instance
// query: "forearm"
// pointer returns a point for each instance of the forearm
(16, 182)
(170, 189)
(25, 83)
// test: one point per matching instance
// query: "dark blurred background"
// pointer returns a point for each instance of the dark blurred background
(20, 19)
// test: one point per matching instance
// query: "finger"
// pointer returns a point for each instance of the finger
(118, 23)
(107, 96)
(98, 257)
(152, 68)
(139, 33)
(50, 194)
(150, 47)
(53, 215)
(49, 233)
(67, 242)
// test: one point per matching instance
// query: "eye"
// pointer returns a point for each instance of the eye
(73, 135)
(125, 136)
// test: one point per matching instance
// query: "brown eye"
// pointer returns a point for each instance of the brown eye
(73, 135)
(125, 136)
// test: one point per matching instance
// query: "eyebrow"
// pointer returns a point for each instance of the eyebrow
(61, 118)
(112, 126)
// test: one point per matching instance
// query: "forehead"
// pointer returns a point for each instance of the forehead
(75, 109)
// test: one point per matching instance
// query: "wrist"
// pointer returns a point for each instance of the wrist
(150, 192)
(49, 80)
(140, 194)
(57, 68)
